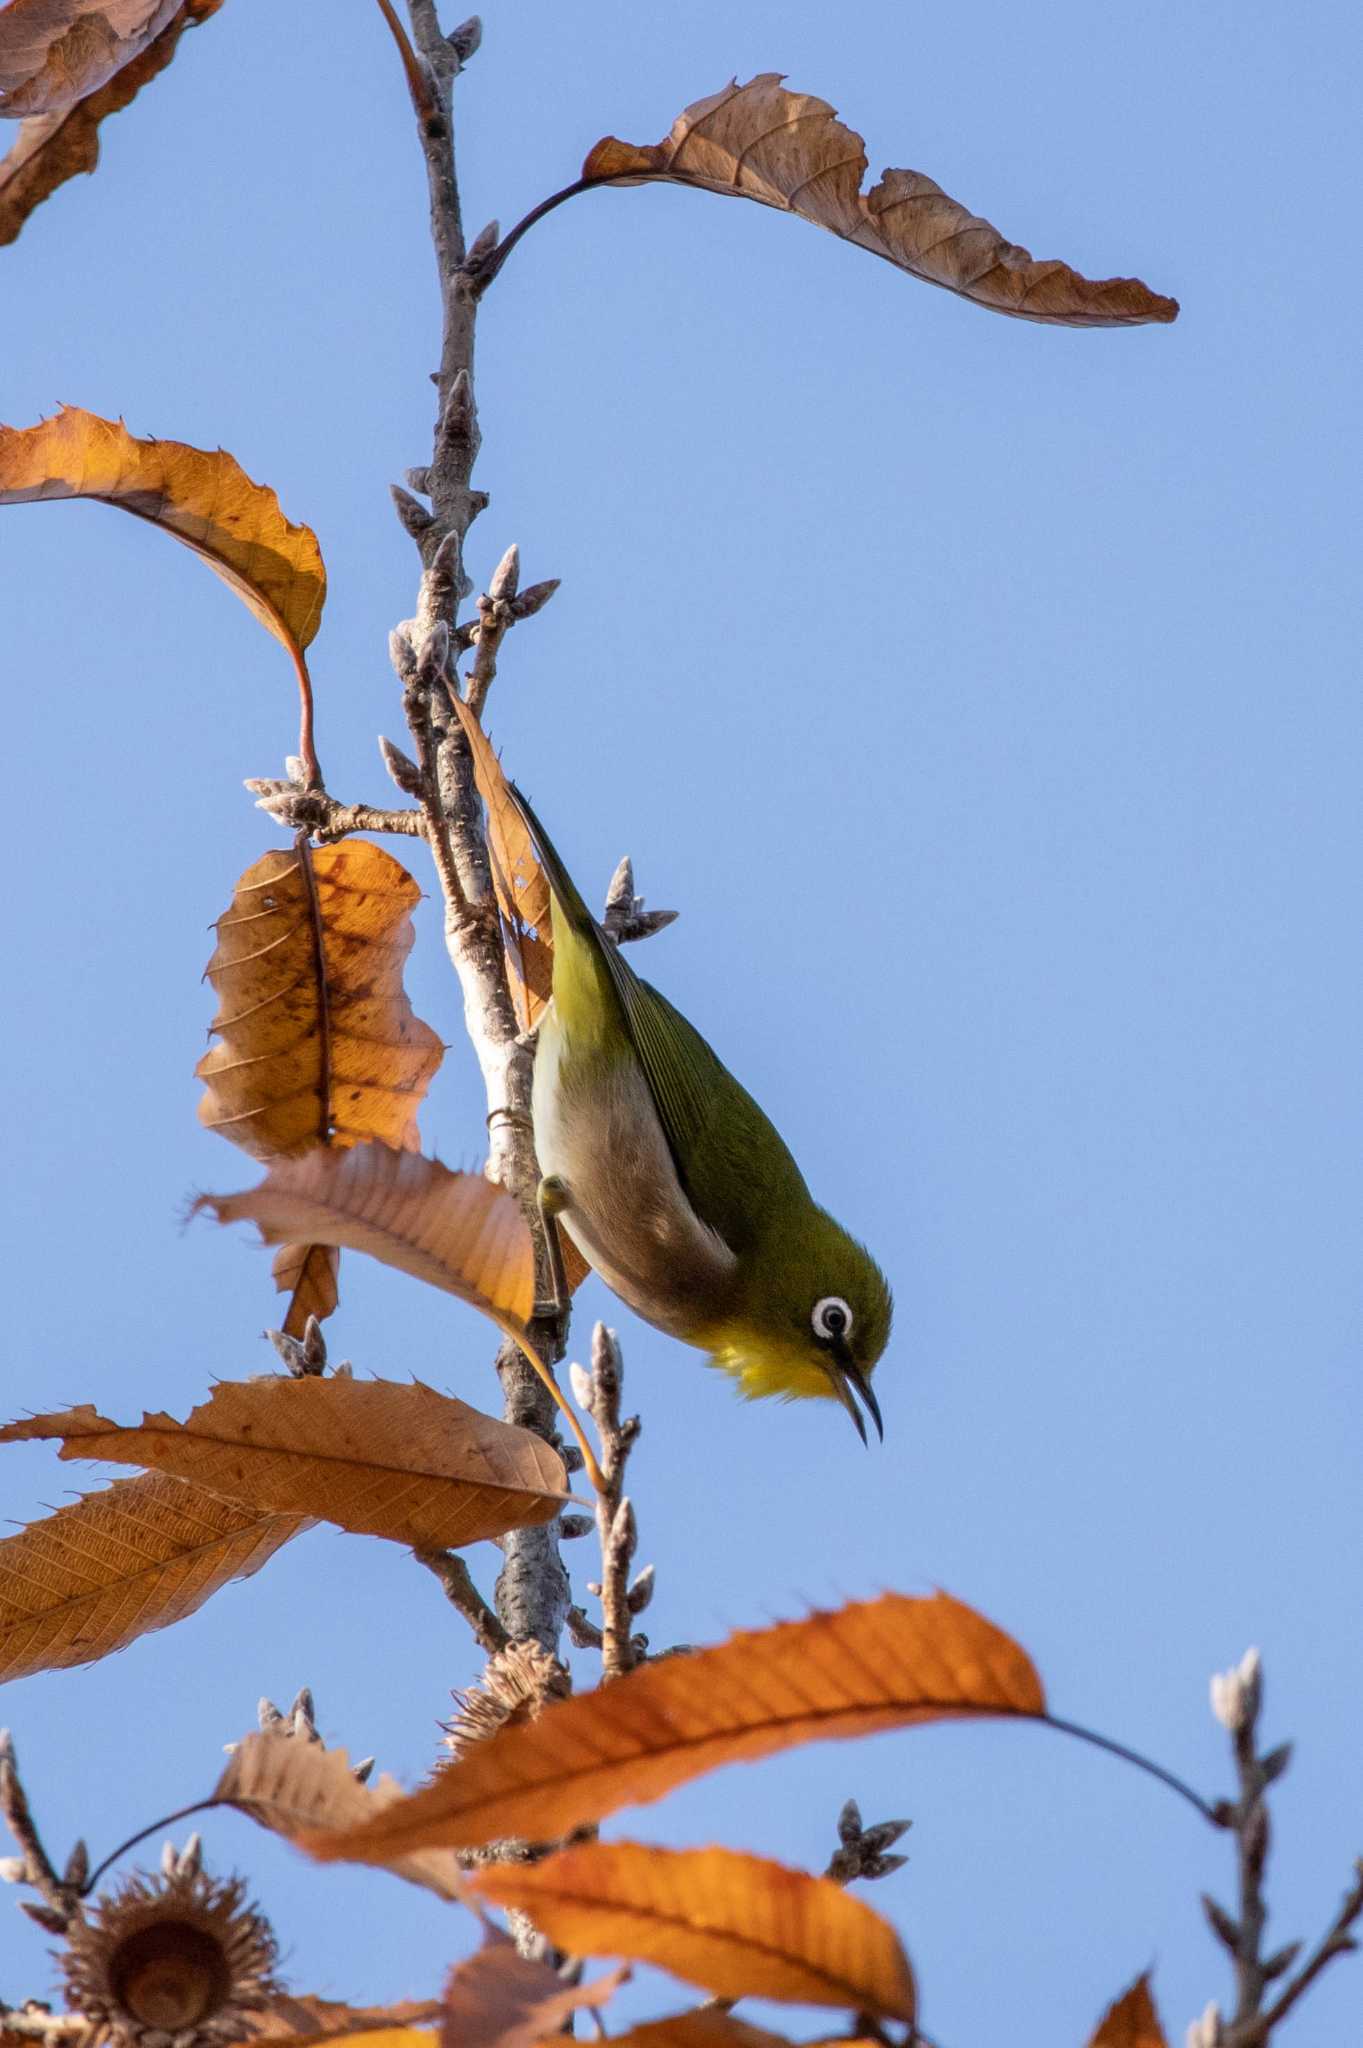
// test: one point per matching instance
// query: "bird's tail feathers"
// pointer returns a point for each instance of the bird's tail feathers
(565, 890)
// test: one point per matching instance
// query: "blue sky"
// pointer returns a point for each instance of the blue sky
(986, 698)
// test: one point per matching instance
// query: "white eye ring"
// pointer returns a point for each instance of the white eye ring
(831, 1318)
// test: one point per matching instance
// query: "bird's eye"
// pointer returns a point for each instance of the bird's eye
(831, 1318)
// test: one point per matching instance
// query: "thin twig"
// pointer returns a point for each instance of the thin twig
(1337, 1941)
(494, 621)
(322, 817)
(39, 1871)
(598, 1391)
(455, 1577)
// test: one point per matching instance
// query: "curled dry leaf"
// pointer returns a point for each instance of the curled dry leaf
(738, 1926)
(115, 1565)
(55, 52)
(789, 150)
(496, 1998)
(705, 2026)
(51, 148)
(288, 1785)
(522, 891)
(873, 1665)
(382, 1460)
(201, 497)
(456, 1231)
(317, 1042)
(1132, 2022)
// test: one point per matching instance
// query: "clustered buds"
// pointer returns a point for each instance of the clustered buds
(862, 1851)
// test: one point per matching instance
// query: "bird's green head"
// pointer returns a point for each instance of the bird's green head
(812, 1319)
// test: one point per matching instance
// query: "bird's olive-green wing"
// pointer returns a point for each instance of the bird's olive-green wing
(729, 1157)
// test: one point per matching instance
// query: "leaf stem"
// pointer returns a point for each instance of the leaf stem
(1133, 1756)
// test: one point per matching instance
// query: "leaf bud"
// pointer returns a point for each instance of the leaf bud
(403, 770)
(13, 1870)
(482, 245)
(465, 40)
(268, 1717)
(849, 1823)
(1226, 1930)
(362, 1771)
(411, 512)
(1206, 2032)
(506, 577)
(1275, 1763)
(580, 1381)
(571, 1527)
(77, 1867)
(534, 598)
(49, 1918)
(641, 1592)
(1282, 1959)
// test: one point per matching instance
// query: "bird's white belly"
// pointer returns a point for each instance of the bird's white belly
(597, 1131)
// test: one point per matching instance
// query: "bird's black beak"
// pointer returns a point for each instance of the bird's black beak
(850, 1381)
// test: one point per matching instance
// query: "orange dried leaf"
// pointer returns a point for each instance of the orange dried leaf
(55, 52)
(789, 150)
(287, 1783)
(738, 1926)
(522, 891)
(382, 1460)
(144, 1553)
(317, 1042)
(456, 1231)
(496, 1998)
(305, 2017)
(201, 497)
(50, 148)
(1132, 2022)
(705, 2026)
(873, 1665)
(366, 2033)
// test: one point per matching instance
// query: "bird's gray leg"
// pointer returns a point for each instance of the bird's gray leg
(552, 1199)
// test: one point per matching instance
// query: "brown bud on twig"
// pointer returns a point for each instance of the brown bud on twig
(362, 1771)
(402, 768)
(506, 577)
(77, 1867)
(571, 1527)
(482, 245)
(1281, 1960)
(534, 598)
(1226, 1929)
(465, 40)
(641, 1592)
(419, 480)
(268, 1717)
(1275, 1763)
(49, 1918)
(413, 514)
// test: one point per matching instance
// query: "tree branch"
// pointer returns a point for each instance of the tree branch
(457, 1580)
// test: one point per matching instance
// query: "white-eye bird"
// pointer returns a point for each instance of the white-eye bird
(677, 1189)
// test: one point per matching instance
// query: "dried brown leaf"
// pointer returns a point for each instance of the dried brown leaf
(201, 497)
(51, 148)
(382, 1460)
(522, 891)
(737, 1925)
(1132, 2022)
(288, 1785)
(496, 1998)
(456, 1231)
(309, 1275)
(305, 2017)
(873, 1665)
(789, 150)
(55, 52)
(115, 1565)
(317, 1042)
